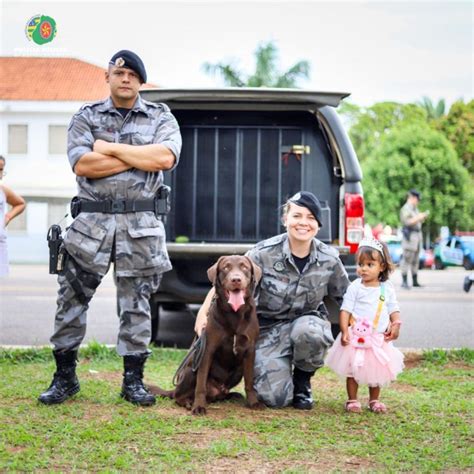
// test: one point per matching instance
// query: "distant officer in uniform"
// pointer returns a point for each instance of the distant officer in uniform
(411, 219)
(298, 271)
(118, 148)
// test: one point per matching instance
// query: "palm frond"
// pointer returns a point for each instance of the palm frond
(229, 74)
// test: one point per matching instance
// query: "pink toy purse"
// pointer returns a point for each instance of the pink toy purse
(364, 336)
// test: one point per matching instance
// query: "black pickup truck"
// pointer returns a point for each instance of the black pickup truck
(245, 151)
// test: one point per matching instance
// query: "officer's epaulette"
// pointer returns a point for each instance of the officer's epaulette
(88, 105)
(271, 242)
(156, 105)
(327, 249)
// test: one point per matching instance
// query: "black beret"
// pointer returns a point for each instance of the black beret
(415, 192)
(130, 60)
(311, 202)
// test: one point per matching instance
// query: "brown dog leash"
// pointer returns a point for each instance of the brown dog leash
(196, 352)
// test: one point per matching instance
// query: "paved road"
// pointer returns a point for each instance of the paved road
(440, 315)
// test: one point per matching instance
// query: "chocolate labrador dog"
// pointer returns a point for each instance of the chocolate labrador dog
(226, 350)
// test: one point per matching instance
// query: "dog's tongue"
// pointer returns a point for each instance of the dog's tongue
(236, 299)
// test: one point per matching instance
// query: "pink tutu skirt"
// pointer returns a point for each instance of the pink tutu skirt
(374, 367)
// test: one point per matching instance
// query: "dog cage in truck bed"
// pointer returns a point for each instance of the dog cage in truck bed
(245, 151)
(233, 177)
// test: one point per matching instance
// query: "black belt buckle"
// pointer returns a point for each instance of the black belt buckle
(117, 207)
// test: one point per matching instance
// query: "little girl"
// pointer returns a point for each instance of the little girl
(363, 352)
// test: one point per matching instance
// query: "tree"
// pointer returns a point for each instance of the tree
(371, 124)
(266, 72)
(433, 111)
(458, 127)
(416, 156)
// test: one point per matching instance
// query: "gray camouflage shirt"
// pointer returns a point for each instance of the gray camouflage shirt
(284, 292)
(138, 239)
(408, 212)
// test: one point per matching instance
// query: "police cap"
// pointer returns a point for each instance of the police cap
(130, 60)
(311, 202)
(415, 192)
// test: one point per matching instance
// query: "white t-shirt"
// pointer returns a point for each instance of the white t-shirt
(362, 301)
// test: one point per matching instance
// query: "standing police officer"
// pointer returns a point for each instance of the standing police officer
(411, 219)
(298, 271)
(118, 148)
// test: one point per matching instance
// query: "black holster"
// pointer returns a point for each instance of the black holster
(57, 252)
(406, 232)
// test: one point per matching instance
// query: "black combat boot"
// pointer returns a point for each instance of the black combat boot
(65, 383)
(405, 282)
(302, 399)
(133, 389)
(415, 282)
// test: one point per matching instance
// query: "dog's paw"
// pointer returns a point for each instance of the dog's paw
(256, 405)
(199, 410)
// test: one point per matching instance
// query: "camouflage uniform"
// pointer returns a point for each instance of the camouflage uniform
(135, 242)
(410, 246)
(294, 329)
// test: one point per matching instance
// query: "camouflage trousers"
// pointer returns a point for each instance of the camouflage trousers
(410, 261)
(76, 289)
(302, 343)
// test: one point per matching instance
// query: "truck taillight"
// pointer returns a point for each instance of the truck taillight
(354, 204)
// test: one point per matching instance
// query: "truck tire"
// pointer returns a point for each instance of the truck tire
(467, 263)
(439, 264)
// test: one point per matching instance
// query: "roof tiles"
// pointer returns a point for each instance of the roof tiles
(43, 78)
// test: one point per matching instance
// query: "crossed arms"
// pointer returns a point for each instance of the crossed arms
(107, 159)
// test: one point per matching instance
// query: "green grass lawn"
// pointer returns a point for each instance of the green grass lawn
(428, 427)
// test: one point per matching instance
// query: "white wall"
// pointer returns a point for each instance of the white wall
(36, 174)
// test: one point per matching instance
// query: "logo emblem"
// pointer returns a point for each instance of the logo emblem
(41, 29)
(279, 266)
(119, 62)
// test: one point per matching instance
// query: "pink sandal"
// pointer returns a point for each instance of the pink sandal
(376, 406)
(353, 406)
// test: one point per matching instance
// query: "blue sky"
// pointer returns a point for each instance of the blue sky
(378, 51)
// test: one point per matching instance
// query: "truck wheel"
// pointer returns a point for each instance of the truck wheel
(439, 264)
(467, 263)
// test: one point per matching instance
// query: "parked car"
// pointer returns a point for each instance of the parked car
(245, 151)
(426, 258)
(456, 250)
(394, 245)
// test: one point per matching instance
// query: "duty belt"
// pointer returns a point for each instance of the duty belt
(119, 206)
(159, 205)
